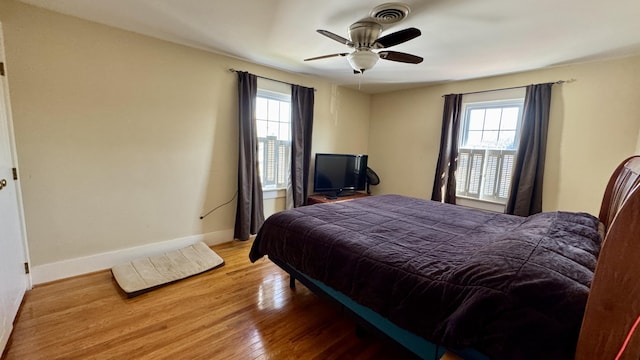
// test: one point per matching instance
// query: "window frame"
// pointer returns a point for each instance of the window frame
(264, 142)
(487, 100)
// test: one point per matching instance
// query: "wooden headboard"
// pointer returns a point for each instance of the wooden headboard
(614, 299)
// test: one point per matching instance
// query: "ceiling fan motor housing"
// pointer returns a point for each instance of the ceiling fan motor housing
(364, 34)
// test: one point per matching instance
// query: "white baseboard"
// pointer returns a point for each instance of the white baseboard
(87, 264)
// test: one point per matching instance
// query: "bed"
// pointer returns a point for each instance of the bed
(438, 277)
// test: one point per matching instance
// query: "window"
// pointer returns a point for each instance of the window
(489, 136)
(273, 123)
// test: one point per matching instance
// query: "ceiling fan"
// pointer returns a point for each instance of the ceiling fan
(364, 38)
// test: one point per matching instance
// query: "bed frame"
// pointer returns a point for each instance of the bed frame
(368, 321)
(614, 299)
(613, 304)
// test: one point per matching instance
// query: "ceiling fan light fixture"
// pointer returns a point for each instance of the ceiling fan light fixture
(361, 60)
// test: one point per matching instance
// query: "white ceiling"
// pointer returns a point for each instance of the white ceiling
(461, 39)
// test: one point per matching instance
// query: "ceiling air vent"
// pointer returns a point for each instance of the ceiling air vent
(390, 13)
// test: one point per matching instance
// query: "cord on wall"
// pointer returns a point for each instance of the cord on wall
(219, 206)
(626, 341)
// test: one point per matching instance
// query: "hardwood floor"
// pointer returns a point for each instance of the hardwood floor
(239, 311)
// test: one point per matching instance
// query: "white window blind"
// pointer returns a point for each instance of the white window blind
(484, 174)
(273, 159)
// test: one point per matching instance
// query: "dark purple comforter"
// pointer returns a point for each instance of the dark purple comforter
(510, 287)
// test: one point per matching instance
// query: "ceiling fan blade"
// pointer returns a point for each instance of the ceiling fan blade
(396, 38)
(400, 57)
(336, 37)
(326, 56)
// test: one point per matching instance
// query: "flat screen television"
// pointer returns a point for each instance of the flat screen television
(339, 174)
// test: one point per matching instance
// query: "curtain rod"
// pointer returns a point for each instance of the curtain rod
(514, 87)
(266, 78)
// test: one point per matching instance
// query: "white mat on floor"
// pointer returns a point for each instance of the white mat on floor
(146, 274)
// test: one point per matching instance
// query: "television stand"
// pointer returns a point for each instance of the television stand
(340, 194)
(323, 198)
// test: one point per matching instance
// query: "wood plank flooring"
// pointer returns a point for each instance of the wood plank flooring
(239, 311)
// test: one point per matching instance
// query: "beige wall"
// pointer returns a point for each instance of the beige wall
(124, 140)
(594, 124)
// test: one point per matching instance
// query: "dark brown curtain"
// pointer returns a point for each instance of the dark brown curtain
(250, 210)
(525, 196)
(302, 99)
(444, 184)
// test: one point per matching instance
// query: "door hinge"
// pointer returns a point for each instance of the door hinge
(1, 69)
(15, 173)
(26, 268)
